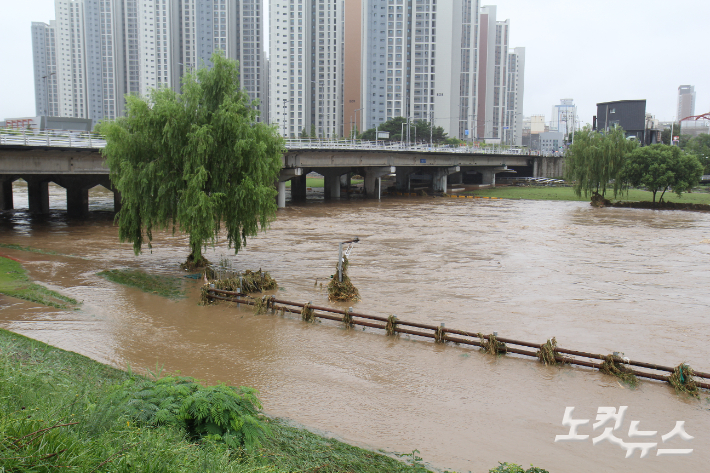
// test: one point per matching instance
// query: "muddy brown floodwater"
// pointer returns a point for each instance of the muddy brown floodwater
(599, 280)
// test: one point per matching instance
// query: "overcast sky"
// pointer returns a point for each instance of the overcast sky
(588, 50)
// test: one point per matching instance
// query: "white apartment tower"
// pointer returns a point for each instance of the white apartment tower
(306, 66)
(513, 129)
(101, 50)
(45, 68)
(420, 61)
(71, 59)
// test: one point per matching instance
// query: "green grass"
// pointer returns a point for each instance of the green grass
(567, 193)
(320, 182)
(57, 413)
(10, 246)
(14, 282)
(166, 286)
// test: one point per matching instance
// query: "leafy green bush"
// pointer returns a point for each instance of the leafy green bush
(512, 468)
(219, 413)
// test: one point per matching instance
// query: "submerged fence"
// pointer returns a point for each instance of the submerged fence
(548, 352)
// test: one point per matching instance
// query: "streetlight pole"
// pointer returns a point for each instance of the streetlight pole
(356, 127)
(320, 107)
(46, 92)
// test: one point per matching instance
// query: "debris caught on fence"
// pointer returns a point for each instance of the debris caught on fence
(614, 366)
(682, 378)
(342, 291)
(546, 353)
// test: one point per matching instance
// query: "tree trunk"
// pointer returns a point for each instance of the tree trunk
(195, 260)
(654, 196)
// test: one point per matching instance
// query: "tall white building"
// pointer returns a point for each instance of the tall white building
(306, 66)
(513, 129)
(686, 101)
(45, 68)
(420, 61)
(104, 49)
(564, 117)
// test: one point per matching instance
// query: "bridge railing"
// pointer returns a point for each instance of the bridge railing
(63, 138)
(75, 139)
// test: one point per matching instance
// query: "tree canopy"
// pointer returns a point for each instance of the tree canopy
(660, 167)
(700, 147)
(394, 127)
(195, 161)
(595, 159)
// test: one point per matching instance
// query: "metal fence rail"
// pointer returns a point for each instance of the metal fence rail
(70, 139)
(391, 325)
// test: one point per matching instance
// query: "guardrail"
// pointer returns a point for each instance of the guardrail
(72, 139)
(547, 353)
(67, 139)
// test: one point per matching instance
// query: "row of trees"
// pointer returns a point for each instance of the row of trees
(599, 162)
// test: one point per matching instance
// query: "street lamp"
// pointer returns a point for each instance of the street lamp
(46, 92)
(356, 127)
(320, 106)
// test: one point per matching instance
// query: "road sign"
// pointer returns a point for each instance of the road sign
(383, 134)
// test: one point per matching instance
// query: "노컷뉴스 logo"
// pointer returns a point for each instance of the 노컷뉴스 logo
(645, 443)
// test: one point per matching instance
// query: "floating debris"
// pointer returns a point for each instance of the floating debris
(682, 380)
(546, 354)
(342, 291)
(614, 366)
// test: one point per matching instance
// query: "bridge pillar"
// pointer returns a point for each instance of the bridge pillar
(286, 175)
(439, 182)
(489, 177)
(77, 201)
(298, 189)
(332, 186)
(38, 196)
(6, 202)
(403, 179)
(373, 180)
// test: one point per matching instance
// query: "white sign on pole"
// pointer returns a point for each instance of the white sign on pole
(383, 135)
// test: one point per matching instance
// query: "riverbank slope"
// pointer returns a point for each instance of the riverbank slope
(57, 414)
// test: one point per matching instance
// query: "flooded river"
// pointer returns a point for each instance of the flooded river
(599, 280)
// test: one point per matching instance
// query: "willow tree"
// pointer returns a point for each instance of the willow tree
(196, 161)
(595, 160)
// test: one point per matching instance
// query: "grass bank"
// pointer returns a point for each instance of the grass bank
(166, 286)
(59, 412)
(14, 282)
(30, 249)
(567, 193)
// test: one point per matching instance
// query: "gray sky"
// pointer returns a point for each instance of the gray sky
(588, 50)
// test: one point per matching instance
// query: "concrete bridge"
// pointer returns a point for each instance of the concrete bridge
(74, 162)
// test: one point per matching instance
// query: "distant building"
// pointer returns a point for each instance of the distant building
(42, 123)
(564, 116)
(514, 101)
(628, 114)
(95, 52)
(537, 124)
(552, 142)
(686, 101)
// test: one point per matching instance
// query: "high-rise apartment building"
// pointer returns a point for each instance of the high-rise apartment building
(513, 129)
(45, 68)
(306, 66)
(686, 101)
(101, 50)
(420, 61)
